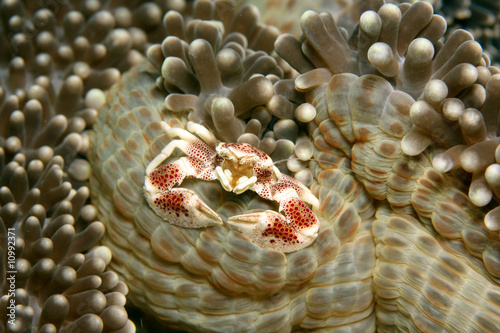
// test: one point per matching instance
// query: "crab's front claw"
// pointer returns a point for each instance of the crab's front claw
(182, 207)
(271, 230)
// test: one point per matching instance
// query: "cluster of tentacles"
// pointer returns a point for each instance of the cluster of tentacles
(379, 112)
(391, 126)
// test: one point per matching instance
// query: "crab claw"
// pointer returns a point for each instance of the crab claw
(182, 207)
(271, 230)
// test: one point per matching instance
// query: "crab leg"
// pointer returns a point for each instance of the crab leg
(203, 133)
(165, 153)
(295, 230)
(189, 144)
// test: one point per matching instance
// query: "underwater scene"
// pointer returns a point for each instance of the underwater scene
(249, 166)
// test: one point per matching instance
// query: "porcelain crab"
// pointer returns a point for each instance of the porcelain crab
(238, 167)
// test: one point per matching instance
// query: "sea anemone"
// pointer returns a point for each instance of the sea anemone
(389, 117)
(401, 245)
(58, 59)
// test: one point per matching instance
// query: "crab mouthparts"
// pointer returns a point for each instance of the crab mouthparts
(236, 177)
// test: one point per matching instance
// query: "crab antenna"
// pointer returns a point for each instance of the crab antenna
(316, 160)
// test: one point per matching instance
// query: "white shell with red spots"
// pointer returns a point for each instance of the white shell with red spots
(239, 167)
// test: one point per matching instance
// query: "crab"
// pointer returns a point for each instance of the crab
(239, 167)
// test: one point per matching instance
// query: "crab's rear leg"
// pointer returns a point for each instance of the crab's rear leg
(189, 144)
(203, 133)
